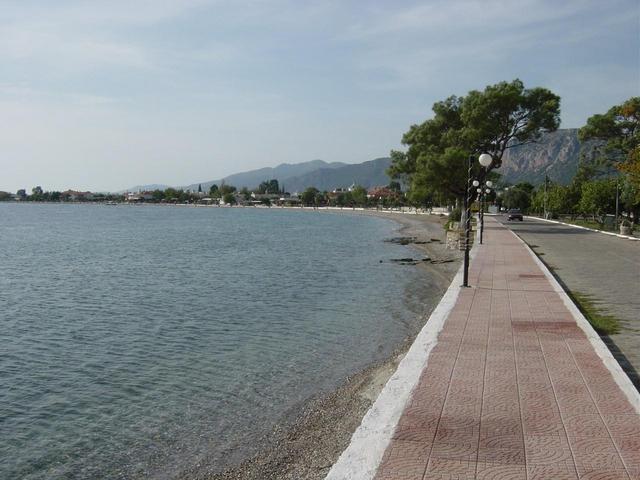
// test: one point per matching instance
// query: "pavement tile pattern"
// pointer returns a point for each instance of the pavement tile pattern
(513, 389)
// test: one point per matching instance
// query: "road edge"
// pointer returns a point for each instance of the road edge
(621, 378)
(611, 234)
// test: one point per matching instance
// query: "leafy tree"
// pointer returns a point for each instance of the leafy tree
(226, 189)
(395, 186)
(171, 194)
(158, 195)
(359, 195)
(310, 196)
(619, 132)
(598, 198)
(518, 198)
(270, 187)
(229, 198)
(4, 196)
(501, 116)
(344, 199)
(246, 194)
(214, 192)
(619, 129)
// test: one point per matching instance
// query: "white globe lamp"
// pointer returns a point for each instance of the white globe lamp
(485, 160)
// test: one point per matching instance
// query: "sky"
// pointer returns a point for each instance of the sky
(104, 95)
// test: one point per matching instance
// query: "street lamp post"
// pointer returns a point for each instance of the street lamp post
(483, 194)
(485, 160)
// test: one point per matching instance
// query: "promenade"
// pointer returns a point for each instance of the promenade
(516, 386)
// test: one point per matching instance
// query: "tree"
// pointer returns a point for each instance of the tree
(598, 198)
(501, 116)
(228, 198)
(246, 194)
(158, 195)
(214, 191)
(619, 132)
(618, 129)
(270, 187)
(518, 198)
(226, 189)
(359, 195)
(309, 196)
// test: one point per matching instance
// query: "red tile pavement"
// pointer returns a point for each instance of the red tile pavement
(513, 389)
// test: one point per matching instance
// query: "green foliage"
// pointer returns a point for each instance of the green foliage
(226, 189)
(619, 129)
(270, 187)
(395, 186)
(228, 198)
(518, 198)
(598, 198)
(309, 196)
(246, 194)
(502, 116)
(359, 195)
(4, 196)
(214, 191)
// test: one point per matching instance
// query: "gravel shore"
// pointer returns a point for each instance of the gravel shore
(306, 448)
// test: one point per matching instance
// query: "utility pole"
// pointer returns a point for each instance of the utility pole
(617, 202)
(544, 202)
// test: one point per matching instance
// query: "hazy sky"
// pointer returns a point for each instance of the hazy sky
(104, 95)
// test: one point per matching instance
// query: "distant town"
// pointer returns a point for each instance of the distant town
(268, 193)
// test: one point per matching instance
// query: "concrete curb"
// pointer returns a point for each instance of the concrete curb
(601, 349)
(362, 457)
(611, 234)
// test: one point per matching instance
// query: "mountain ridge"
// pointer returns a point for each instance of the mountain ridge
(556, 155)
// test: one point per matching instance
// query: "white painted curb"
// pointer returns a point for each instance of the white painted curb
(612, 234)
(362, 457)
(601, 349)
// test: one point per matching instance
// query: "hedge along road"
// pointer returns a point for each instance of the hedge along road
(602, 267)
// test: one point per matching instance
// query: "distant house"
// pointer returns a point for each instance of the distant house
(382, 193)
(134, 197)
(75, 196)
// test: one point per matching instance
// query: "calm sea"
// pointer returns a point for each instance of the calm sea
(136, 341)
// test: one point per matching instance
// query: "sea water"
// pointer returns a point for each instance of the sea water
(138, 341)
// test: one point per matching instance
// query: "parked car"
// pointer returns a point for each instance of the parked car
(514, 214)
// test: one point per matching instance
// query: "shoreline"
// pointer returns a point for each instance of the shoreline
(307, 444)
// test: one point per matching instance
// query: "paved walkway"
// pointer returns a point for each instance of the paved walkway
(513, 389)
(604, 267)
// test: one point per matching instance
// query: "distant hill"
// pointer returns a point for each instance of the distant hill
(282, 173)
(145, 188)
(557, 155)
(367, 174)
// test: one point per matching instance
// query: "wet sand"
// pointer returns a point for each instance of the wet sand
(306, 447)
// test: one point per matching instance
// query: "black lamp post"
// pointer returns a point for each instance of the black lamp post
(485, 160)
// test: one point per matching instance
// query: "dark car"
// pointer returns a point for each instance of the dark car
(514, 215)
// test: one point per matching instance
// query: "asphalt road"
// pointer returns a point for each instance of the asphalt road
(604, 267)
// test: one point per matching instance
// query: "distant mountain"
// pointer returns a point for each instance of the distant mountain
(556, 155)
(367, 174)
(282, 173)
(146, 188)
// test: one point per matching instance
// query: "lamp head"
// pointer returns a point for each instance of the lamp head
(489, 183)
(485, 160)
(475, 183)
